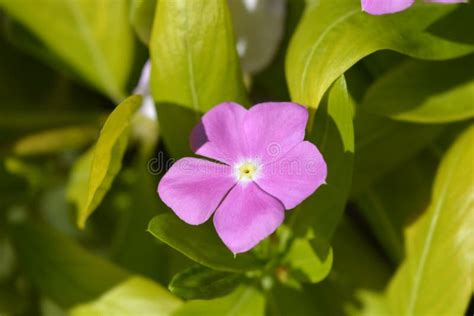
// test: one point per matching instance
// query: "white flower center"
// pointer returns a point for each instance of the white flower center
(246, 170)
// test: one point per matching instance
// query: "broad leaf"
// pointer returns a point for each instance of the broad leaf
(78, 181)
(334, 135)
(302, 259)
(425, 92)
(199, 282)
(134, 296)
(92, 37)
(108, 153)
(60, 268)
(142, 14)
(244, 301)
(55, 140)
(194, 65)
(199, 243)
(357, 265)
(334, 34)
(437, 244)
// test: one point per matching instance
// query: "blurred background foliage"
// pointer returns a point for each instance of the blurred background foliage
(83, 232)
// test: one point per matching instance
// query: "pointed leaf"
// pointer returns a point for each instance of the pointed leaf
(108, 154)
(302, 258)
(199, 243)
(142, 14)
(437, 258)
(199, 282)
(334, 34)
(334, 135)
(55, 140)
(425, 92)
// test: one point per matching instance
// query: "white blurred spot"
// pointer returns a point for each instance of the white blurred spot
(143, 88)
(241, 46)
(251, 5)
(259, 28)
(148, 107)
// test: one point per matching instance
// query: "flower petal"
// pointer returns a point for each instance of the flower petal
(378, 7)
(295, 176)
(447, 1)
(273, 128)
(246, 216)
(193, 188)
(219, 135)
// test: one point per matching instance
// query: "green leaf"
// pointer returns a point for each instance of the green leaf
(383, 144)
(437, 257)
(199, 243)
(334, 34)
(78, 181)
(55, 140)
(199, 282)
(60, 268)
(194, 65)
(92, 37)
(357, 265)
(425, 92)
(244, 301)
(134, 296)
(302, 259)
(334, 135)
(395, 199)
(108, 153)
(142, 14)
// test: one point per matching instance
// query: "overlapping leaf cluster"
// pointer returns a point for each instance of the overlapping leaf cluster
(391, 98)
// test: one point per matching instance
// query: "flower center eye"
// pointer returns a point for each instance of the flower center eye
(246, 171)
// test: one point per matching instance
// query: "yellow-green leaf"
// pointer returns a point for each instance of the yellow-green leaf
(333, 133)
(435, 277)
(55, 140)
(244, 301)
(79, 179)
(334, 34)
(425, 91)
(134, 296)
(90, 36)
(194, 65)
(302, 258)
(142, 14)
(108, 154)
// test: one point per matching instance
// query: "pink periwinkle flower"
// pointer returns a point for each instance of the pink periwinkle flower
(379, 7)
(263, 167)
